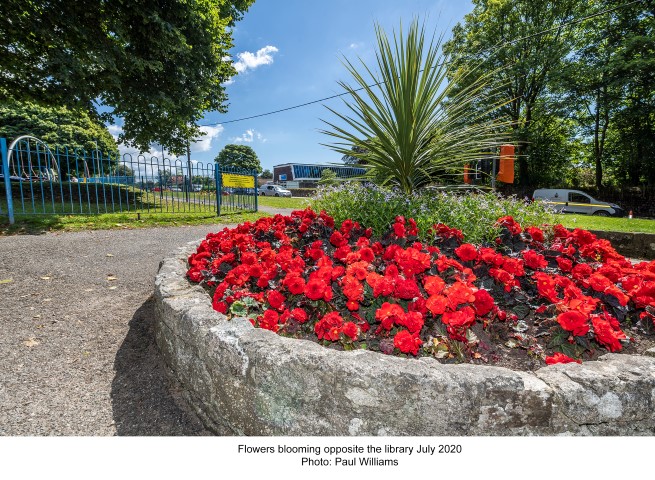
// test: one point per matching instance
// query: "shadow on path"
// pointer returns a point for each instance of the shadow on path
(144, 401)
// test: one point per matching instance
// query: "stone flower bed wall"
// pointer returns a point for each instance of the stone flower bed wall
(247, 381)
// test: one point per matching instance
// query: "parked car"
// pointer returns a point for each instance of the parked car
(176, 189)
(274, 191)
(576, 201)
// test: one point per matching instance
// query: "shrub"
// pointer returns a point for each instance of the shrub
(475, 214)
(301, 276)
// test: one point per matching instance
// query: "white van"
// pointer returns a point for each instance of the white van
(575, 201)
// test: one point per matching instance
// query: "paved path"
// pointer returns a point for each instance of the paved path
(77, 355)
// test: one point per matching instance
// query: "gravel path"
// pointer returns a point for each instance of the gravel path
(77, 350)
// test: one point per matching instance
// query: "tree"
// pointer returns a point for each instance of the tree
(328, 177)
(356, 157)
(405, 123)
(123, 170)
(505, 36)
(266, 174)
(239, 156)
(56, 126)
(157, 65)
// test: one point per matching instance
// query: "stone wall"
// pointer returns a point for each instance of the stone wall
(633, 245)
(247, 381)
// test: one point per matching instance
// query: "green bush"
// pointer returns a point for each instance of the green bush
(473, 213)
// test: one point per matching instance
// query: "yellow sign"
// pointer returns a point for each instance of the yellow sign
(240, 181)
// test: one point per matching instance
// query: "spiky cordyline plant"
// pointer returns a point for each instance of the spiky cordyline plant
(411, 125)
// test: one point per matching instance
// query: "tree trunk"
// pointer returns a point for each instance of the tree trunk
(523, 152)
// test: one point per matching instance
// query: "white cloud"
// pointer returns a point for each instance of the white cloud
(115, 130)
(250, 61)
(204, 143)
(355, 45)
(249, 136)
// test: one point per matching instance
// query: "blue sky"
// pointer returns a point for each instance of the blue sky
(289, 52)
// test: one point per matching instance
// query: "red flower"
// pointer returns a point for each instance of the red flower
(437, 304)
(275, 299)
(220, 307)
(433, 285)
(536, 234)
(299, 315)
(514, 266)
(565, 265)
(329, 327)
(338, 240)
(388, 314)
(483, 302)
(534, 260)
(194, 275)
(607, 335)
(462, 319)
(574, 322)
(510, 224)
(295, 284)
(459, 293)
(352, 288)
(350, 330)
(269, 321)
(406, 289)
(399, 230)
(412, 320)
(599, 282)
(558, 357)
(407, 343)
(367, 254)
(466, 252)
(315, 289)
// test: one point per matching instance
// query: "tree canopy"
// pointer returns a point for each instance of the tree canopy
(577, 80)
(239, 156)
(156, 64)
(56, 126)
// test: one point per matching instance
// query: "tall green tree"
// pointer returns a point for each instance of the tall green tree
(403, 123)
(504, 36)
(56, 126)
(239, 156)
(634, 121)
(157, 64)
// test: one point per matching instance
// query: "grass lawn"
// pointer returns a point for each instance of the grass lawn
(62, 221)
(284, 202)
(590, 222)
(35, 224)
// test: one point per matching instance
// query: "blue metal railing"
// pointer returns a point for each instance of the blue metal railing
(39, 180)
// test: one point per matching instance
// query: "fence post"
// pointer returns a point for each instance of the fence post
(217, 181)
(256, 192)
(5, 172)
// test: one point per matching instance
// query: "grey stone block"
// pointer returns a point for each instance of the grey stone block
(248, 381)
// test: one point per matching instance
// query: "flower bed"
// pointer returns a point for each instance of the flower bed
(567, 299)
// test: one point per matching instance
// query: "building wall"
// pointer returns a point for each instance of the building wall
(283, 170)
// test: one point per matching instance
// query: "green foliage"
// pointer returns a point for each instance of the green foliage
(405, 130)
(123, 170)
(328, 177)
(158, 65)
(239, 156)
(581, 97)
(473, 213)
(523, 68)
(56, 126)
(267, 174)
